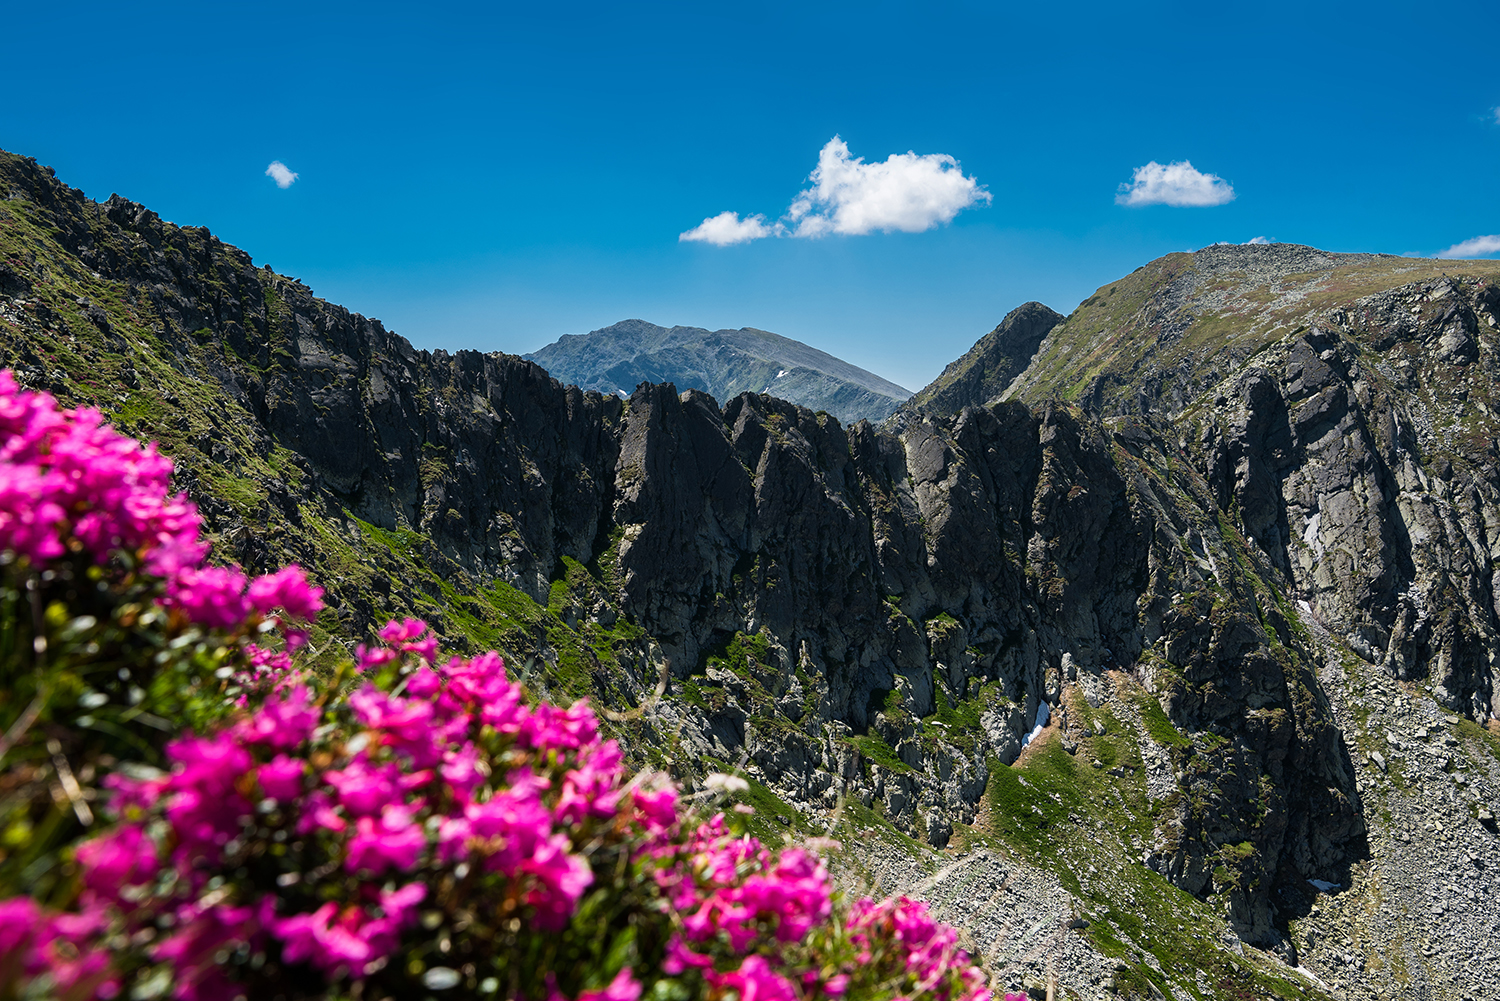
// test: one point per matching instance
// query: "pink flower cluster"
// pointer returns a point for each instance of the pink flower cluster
(730, 891)
(927, 949)
(57, 946)
(402, 790)
(70, 482)
(735, 888)
(319, 831)
(66, 473)
(223, 597)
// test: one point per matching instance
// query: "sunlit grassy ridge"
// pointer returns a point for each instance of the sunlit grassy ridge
(1197, 317)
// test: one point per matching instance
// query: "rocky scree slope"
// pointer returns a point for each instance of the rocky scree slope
(722, 363)
(867, 622)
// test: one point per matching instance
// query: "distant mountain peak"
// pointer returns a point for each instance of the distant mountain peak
(988, 367)
(722, 363)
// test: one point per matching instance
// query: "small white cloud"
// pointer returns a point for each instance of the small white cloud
(906, 192)
(1479, 246)
(279, 173)
(727, 228)
(1497, 116)
(1257, 241)
(1178, 184)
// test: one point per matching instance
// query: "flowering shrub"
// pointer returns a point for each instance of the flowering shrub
(413, 827)
(113, 630)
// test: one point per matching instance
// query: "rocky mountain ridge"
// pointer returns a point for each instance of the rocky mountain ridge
(869, 621)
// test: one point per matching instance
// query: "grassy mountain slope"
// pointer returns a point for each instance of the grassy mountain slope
(1167, 332)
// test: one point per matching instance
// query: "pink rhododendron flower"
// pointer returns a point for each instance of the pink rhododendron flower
(394, 841)
(369, 659)
(408, 723)
(461, 770)
(624, 987)
(199, 934)
(363, 787)
(326, 938)
(61, 464)
(592, 789)
(268, 661)
(202, 802)
(506, 830)
(680, 958)
(561, 877)
(211, 596)
(286, 588)
(550, 728)
(287, 719)
(129, 795)
(332, 939)
(319, 813)
(932, 952)
(480, 685)
(403, 636)
(63, 947)
(281, 777)
(395, 633)
(115, 861)
(19, 916)
(424, 683)
(755, 980)
(656, 808)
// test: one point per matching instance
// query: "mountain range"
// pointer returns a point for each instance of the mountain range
(722, 363)
(1156, 645)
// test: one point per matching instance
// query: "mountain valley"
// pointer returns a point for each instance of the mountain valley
(1158, 644)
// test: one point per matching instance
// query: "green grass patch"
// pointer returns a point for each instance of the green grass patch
(873, 748)
(742, 653)
(1158, 725)
(244, 495)
(1470, 732)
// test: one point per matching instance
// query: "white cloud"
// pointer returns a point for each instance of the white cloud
(1177, 184)
(1497, 116)
(727, 228)
(907, 192)
(1479, 246)
(279, 173)
(1257, 241)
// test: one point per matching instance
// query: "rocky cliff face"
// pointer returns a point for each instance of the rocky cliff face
(873, 621)
(1349, 429)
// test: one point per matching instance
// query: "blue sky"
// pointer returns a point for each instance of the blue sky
(492, 176)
